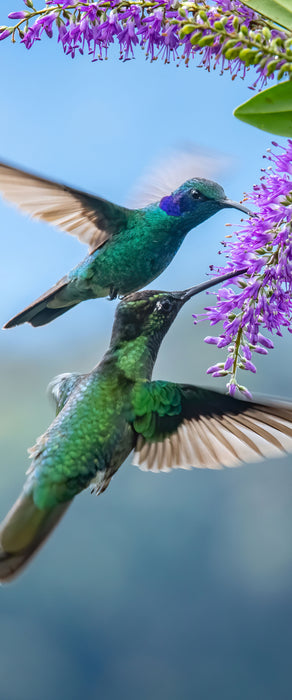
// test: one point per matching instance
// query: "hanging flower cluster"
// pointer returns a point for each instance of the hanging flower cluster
(263, 298)
(225, 34)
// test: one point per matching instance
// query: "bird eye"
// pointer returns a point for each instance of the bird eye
(164, 305)
(198, 195)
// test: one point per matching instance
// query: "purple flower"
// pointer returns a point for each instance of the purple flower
(127, 39)
(211, 32)
(150, 33)
(263, 298)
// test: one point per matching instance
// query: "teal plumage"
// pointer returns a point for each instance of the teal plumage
(104, 415)
(128, 248)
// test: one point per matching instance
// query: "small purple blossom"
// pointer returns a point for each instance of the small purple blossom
(262, 299)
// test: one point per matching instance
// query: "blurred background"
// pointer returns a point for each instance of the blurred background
(167, 586)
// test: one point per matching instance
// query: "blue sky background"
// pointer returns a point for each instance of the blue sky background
(166, 587)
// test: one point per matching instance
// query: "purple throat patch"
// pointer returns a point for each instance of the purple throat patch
(170, 205)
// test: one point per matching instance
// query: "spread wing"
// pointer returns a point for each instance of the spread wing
(92, 219)
(183, 426)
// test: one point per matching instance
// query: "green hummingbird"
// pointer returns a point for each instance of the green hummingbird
(128, 248)
(104, 415)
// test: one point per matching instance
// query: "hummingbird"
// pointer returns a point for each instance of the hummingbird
(128, 248)
(116, 408)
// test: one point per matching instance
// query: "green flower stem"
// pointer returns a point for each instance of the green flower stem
(236, 353)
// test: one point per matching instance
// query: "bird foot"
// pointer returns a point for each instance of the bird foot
(113, 293)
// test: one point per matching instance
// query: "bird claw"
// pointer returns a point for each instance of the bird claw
(113, 293)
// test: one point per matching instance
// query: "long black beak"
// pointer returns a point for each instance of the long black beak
(188, 293)
(229, 203)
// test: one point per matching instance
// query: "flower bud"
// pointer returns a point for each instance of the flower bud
(18, 15)
(187, 29)
(247, 56)
(285, 68)
(195, 37)
(5, 33)
(231, 388)
(230, 54)
(260, 351)
(229, 362)
(266, 342)
(245, 391)
(223, 342)
(206, 40)
(266, 32)
(244, 30)
(249, 366)
(203, 15)
(211, 340)
(246, 351)
(218, 25)
(215, 368)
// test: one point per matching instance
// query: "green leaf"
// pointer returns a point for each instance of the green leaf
(270, 110)
(279, 11)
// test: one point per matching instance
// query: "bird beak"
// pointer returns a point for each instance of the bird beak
(229, 203)
(188, 293)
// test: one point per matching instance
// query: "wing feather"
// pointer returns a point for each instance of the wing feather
(92, 219)
(228, 453)
(210, 431)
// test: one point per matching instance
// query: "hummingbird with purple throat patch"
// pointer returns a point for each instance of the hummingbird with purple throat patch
(128, 248)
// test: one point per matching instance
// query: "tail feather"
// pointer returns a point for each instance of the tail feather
(46, 308)
(23, 531)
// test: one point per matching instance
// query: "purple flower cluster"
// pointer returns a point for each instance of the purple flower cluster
(225, 34)
(263, 297)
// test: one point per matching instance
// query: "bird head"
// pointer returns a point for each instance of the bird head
(149, 314)
(198, 199)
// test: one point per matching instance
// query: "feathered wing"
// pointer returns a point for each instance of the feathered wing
(183, 426)
(92, 219)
